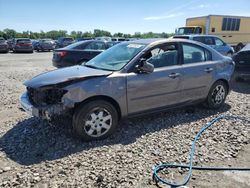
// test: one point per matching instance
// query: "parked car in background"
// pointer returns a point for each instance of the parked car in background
(103, 38)
(4, 47)
(242, 63)
(120, 39)
(10, 43)
(129, 79)
(44, 45)
(22, 45)
(64, 41)
(79, 52)
(83, 39)
(212, 41)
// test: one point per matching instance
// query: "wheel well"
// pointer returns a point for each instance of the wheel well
(226, 82)
(102, 97)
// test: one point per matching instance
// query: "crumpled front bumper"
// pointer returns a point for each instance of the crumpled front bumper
(45, 112)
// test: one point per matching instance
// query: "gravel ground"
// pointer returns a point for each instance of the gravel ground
(35, 154)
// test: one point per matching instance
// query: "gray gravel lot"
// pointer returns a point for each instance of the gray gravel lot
(35, 154)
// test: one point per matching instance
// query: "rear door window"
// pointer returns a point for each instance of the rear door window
(194, 54)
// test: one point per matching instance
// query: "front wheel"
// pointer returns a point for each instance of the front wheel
(217, 95)
(95, 120)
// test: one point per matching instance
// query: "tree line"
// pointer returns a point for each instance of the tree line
(55, 34)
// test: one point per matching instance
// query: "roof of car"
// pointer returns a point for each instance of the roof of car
(196, 35)
(154, 41)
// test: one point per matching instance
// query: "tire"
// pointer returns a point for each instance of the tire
(230, 54)
(217, 95)
(89, 120)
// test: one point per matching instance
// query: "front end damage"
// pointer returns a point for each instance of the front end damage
(44, 103)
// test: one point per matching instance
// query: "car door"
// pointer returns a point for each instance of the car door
(197, 72)
(220, 46)
(147, 91)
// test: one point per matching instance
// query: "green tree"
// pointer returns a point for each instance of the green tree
(10, 33)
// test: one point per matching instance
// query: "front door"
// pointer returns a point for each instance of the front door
(147, 91)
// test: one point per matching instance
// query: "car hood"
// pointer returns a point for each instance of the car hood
(64, 75)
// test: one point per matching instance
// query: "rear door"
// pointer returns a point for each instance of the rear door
(197, 72)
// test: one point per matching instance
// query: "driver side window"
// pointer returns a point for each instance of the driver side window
(162, 56)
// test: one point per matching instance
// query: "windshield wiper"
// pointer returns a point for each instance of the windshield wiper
(94, 67)
(90, 66)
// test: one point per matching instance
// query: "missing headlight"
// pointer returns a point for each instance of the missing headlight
(45, 96)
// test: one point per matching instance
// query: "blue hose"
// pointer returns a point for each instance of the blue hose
(190, 166)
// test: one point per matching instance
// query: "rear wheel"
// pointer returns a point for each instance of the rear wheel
(95, 120)
(217, 95)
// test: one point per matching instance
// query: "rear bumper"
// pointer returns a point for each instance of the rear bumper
(23, 49)
(45, 48)
(46, 112)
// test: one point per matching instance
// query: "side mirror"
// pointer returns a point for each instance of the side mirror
(144, 67)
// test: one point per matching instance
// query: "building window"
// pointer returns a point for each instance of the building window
(231, 24)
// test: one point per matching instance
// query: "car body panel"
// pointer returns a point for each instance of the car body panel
(62, 75)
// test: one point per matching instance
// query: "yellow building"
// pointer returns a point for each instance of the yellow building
(234, 30)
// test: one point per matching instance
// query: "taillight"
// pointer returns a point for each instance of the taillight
(20, 44)
(61, 54)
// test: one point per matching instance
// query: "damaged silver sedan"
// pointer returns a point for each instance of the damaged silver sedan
(129, 79)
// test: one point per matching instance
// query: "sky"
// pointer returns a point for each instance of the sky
(126, 16)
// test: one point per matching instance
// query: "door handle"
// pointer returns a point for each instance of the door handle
(174, 75)
(208, 70)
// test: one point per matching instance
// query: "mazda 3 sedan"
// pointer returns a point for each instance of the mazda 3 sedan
(129, 79)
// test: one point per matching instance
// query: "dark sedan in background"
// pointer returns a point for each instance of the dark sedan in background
(64, 41)
(4, 47)
(79, 52)
(44, 45)
(242, 63)
(22, 45)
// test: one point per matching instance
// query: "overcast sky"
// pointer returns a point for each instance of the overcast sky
(127, 16)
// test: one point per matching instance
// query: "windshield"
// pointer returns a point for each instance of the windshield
(115, 57)
(24, 41)
(189, 30)
(185, 31)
